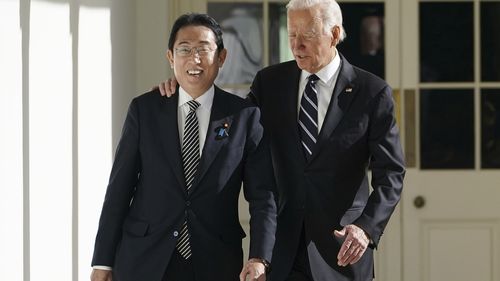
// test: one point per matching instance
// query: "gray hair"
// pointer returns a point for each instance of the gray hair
(330, 13)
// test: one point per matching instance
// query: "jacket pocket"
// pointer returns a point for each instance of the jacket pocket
(135, 228)
(233, 236)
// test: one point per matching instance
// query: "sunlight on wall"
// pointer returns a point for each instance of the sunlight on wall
(94, 126)
(50, 141)
(11, 143)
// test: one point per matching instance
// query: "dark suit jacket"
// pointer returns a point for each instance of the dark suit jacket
(146, 200)
(332, 189)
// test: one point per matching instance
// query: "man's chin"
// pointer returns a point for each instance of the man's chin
(302, 64)
(306, 67)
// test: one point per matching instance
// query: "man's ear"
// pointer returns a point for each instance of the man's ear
(170, 58)
(221, 57)
(335, 35)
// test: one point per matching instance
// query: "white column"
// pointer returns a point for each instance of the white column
(94, 125)
(11, 142)
(50, 141)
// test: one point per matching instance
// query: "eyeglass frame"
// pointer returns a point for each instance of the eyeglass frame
(201, 51)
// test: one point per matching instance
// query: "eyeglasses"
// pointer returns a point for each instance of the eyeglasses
(188, 51)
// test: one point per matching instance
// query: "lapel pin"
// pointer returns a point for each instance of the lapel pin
(222, 131)
(348, 90)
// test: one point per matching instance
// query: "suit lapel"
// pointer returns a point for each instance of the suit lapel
(218, 118)
(290, 115)
(169, 134)
(343, 95)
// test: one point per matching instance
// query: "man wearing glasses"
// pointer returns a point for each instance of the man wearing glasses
(171, 207)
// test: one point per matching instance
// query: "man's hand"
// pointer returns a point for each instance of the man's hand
(354, 246)
(254, 269)
(101, 275)
(167, 88)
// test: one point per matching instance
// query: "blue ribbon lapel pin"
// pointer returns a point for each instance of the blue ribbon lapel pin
(222, 131)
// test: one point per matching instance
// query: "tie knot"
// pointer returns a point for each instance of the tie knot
(313, 78)
(193, 105)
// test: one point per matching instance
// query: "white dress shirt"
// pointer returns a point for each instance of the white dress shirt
(203, 114)
(325, 85)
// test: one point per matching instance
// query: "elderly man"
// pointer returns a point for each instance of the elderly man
(328, 122)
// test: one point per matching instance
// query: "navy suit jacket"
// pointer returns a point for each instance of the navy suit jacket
(331, 190)
(146, 200)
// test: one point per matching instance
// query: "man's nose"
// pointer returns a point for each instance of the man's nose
(297, 43)
(196, 57)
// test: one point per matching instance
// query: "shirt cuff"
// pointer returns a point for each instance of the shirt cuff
(102, 267)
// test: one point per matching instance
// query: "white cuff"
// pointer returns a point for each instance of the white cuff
(102, 267)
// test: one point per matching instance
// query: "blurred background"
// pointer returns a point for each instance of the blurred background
(69, 68)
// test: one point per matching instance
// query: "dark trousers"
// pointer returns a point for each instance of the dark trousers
(301, 270)
(179, 269)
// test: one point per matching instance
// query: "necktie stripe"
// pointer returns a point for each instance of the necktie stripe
(313, 87)
(307, 148)
(190, 138)
(190, 130)
(182, 242)
(311, 102)
(190, 163)
(189, 181)
(308, 116)
(189, 158)
(189, 148)
(190, 171)
(307, 132)
(190, 154)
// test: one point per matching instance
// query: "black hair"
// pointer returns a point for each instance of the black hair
(195, 19)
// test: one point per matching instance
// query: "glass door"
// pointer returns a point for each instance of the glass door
(451, 88)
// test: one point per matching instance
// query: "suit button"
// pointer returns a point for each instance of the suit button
(188, 203)
(176, 233)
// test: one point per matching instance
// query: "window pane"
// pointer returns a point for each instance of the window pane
(446, 129)
(490, 41)
(490, 128)
(446, 42)
(242, 28)
(364, 44)
(11, 143)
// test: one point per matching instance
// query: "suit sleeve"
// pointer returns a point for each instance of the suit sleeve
(387, 166)
(122, 182)
(259, 187)
(254, 95)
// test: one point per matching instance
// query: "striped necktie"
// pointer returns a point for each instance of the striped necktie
(308, 116)
(190, 160)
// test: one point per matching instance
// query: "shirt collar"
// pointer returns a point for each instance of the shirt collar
(327, 73)
(205, 100)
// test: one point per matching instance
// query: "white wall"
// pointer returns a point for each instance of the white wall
(68, 70)
(125, 69)
(152, 31)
